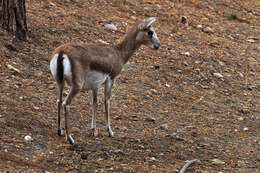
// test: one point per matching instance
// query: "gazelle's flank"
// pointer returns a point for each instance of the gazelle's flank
(88, 66)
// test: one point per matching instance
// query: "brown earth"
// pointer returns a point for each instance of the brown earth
(197, 97)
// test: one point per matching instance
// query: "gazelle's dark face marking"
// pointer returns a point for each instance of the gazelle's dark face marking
(147, 35)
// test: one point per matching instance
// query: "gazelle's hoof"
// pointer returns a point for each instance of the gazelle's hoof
(94, 132)
(59, 132)
(70, 139)
(110, 132)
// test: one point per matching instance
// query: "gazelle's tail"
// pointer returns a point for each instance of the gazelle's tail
(60, 68)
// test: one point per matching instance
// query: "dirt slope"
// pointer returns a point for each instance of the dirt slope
(197, 97)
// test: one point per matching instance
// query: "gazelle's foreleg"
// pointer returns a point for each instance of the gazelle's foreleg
(66, 103)
(108, 88)
(94, 115)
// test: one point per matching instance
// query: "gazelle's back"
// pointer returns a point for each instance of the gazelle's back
(94, 57)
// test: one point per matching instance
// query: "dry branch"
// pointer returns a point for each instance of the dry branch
(188, 163)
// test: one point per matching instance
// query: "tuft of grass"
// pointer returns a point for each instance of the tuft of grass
(234, 16)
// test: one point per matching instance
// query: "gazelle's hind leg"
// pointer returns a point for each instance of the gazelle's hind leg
(73, 91)
(108, 88)
(59, 102)
(94, 115)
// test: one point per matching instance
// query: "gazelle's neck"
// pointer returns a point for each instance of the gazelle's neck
(128, 46)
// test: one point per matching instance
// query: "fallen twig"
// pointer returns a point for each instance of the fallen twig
(187, 164)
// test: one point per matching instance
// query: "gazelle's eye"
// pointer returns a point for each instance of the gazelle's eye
(150, 33)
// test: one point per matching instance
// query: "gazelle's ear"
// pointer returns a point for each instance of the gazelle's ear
(147, 23)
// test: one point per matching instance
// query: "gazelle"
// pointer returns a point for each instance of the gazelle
(88, 66)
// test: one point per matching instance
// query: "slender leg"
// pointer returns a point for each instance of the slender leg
(72, 94)
(59, 101)
(108, 87)
(95, 104)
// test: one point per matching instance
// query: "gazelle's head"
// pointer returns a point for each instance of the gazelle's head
(146, 34)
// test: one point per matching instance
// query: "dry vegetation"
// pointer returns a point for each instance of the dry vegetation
(197, 97)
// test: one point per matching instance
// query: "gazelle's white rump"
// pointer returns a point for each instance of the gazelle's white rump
(66, 67)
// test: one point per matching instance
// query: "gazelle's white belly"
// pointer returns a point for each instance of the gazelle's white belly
(94, 79)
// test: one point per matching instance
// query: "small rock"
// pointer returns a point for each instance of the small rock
(28, 138)
(184, 20)
(141, 146)
(153, 159)
(187, 53)
(217, 162)
(240, 74)
(245, 128)
(21, 98)
(150, 119)
(179, 71)
(185, 64)
(133, 18)
(157, 67)
(164, 127)
(218, 75)
(111, 27)
(250, 40)
(221, 63)
(10, 67)
(125, 128)
(244, 111)
(51, 86)
(240, 163)
(208, 30)
(102, 42)
(36, 107)
(154, 91)
(199, 26)
(118, 118)
(204, 86)
(118, 151)
(240, 118)
(167, 85)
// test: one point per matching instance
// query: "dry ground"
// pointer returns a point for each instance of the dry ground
(197, 97)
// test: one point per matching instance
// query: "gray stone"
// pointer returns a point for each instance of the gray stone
(218, 75)
(164, 127)
(217, 162)
(118, 151)
(208, 30)
(111, 27)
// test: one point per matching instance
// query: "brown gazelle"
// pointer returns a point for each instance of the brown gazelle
(88, 66)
